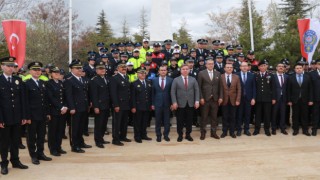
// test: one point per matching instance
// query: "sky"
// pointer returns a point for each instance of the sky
(194, 11)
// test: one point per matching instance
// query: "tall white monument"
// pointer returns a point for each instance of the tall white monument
(160, 27)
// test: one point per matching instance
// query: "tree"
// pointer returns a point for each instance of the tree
(103, 28)
(125, 30)
(183, 35)
(297, 8)
(143, 27)
(273, 19)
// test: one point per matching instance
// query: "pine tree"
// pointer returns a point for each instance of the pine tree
(103, 28)
(295, 7)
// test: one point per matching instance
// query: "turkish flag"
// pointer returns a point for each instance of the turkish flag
(15, 33)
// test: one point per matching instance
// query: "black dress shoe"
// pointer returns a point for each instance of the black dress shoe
(202, 136)
(125, 140)
(21, 146)
(35, 161)
(105, 142)
(4, 170)
(64, 137)
(314, 132)
(117, 143)
(196, 124)
(214, 135)
(306, 133)
(107, 133)
(77, 150)
(268, 133)
(159, 139)
(138, 140)
(86, 134)
(239, 133)
(284, 132)
(84, 145)
(147, 138)
(55, 153)
(189, 138)
(100, 145)
(223, 135)
(44, 157)
(274, 132)
(256, 133)
(247, 133)
(233, 135)
(61, 151)
(179, 139)
(295, 132)
(166, 138)
(19, 165)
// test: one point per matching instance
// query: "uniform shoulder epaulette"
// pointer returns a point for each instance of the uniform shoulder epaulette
(69, 77)
(93, 77)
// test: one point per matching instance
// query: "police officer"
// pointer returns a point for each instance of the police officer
(12, 99)
(215, 48)
(173, 69)
(167, 51)
(58, 109)
(101, 101)
(89, 68)
(77, 101)
(37, 113)
(219, 65)
(120, 95)
(141, 93)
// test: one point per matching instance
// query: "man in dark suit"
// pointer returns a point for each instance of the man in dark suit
(120, 95)
(161, 102)
(185, 98)
(37, 113)
(231, 99)
(248, 96)
(300, 97)
(219, 66)
(265, 98)
(315, 77)
(210, 98)
(58, 109)
(77, 98)
(12, 115)
(101, 100)
(279, 109)
(141, 99)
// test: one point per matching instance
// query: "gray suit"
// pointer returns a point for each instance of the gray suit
(185, 98)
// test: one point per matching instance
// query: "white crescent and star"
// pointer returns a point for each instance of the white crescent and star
(14, 35)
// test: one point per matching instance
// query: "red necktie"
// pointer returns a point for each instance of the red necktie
(185, 83)
(162, 83)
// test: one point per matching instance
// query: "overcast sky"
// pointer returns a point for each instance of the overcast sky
(194, 11)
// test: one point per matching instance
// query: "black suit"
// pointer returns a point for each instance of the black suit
(202, 52)
(77, 99)
(279, 109)
(167, 53)
(100, 98)
(12, 104)
(141, 100)
(315, 77)
(56, 126)
(300, 96)
(37, 110)
(120, 94)
(219, 69)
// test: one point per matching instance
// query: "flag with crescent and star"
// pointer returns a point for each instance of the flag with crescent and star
(15, 33)
(309, 30)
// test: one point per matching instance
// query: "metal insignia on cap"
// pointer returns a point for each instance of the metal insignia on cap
(37, 64)
(11, 59)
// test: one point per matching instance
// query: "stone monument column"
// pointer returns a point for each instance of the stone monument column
(160, 26)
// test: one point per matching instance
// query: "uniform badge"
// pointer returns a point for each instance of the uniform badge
(43, 85)
(122, 82)
(138, 86)
(17, 82)
(149, 85)
(195, 73)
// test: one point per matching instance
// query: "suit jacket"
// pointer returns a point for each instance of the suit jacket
(316, 85)
(294, 90)
(77, 94)
(232, 93)
(204, 54)
(161, 98)
(56, 97)
(36, 100)
(248, 89)
(210, 88)
(120, 92)
(12, 101)
(183, 96)
(141, 98)
(99, 90)
(281, 90)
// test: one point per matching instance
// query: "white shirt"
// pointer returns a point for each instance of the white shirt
(164, 81)
(7, 77)
(230, 77)
(318, 71)
(76, 77)
(184, 78)
(242, 75)
(123, 75)
(279, 77)
(210, 74)
(35, 80)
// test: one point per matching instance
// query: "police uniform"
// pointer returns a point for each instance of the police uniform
(141, 94)
(120, 95)
(167, 52)
(100, 98)
(89, 69)
(265, 86)
(57, 103)
(77, 99)
(12, 101)
(37, 112)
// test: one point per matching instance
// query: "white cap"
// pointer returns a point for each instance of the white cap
(176, 45)
(135, 50)
(145, 39)
(176, 51)
(129, 63)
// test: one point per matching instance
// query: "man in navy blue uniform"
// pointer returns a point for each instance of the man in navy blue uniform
(77, 101)
(12, 115)
(315, 77)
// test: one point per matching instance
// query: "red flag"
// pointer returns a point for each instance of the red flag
(15, 33)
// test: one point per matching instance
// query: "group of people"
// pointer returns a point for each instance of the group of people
(134, 82)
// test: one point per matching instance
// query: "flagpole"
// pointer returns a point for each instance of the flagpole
(251, 27)
(70, 31)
